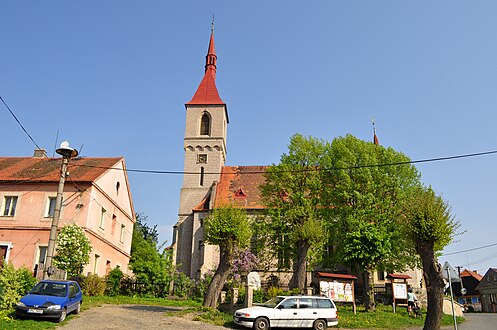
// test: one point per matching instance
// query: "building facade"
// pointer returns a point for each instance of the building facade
(96, 197)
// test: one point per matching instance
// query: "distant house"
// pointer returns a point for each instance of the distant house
(471, 299)
(96, 197)
(488, 291)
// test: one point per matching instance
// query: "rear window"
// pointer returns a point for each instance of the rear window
(324, 303)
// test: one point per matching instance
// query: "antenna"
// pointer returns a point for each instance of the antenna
(80, 149)
(55, 145)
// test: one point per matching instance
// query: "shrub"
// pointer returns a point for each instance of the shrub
(273, 291)
(200, 287)
(259, 296)
(182, 285)
(93, 285)
(14, 284)
(113, 282)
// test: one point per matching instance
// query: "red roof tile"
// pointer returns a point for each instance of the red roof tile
(31, 169)
(466, 273)
(240, 178)
(207, 93)
(399, 276)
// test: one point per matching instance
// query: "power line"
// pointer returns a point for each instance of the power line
(13, 115)
(469, 250)
(317, 169)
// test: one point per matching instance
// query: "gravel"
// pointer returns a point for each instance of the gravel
(133, 317)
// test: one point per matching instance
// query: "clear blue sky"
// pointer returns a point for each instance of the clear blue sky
(114, 76)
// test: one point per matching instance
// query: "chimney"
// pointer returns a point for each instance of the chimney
(40, 153)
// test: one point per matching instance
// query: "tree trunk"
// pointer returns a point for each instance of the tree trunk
(217, 283)
(368, 290)
(300, 266)
(432, 272)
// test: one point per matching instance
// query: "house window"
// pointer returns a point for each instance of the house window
(123, 230)
(205, 124)
(9, 206)
(381, 276)
(3, 254)
(42, 254)
(50, 207)
(113, 228)
(102, 218)
(107, 267)
(202, 159)
(95, 265)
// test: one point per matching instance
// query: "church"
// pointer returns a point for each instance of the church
(208, 183)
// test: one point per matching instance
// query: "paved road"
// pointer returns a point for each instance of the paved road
(479, 321)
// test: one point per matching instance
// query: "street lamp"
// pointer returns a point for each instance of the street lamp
(66, 152)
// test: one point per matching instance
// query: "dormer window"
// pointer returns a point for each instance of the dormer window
(205, 124)
(240, 193)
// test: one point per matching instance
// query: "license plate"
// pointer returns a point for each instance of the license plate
(35, 311)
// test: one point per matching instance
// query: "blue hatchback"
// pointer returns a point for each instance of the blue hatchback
(51, 299)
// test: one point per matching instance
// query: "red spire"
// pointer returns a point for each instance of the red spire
(207, 91)
(375, 138)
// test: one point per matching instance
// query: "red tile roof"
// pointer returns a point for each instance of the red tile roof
(466, 273)
(236, 179)
(32, 169)
(207, 93)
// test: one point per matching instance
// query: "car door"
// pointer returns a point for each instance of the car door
(73, 297)
(286, 314)
(306, 313)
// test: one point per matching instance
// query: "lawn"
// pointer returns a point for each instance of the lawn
(383, 318)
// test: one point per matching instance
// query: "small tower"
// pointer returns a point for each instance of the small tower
(205, 155)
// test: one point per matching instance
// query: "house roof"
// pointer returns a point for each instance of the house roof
(34, 169)
(466, 273)
(489, 280)
(239, 185)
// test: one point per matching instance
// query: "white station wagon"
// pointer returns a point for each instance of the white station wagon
(290, 312)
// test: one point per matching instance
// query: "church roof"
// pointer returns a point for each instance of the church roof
(47, 170)
(239, 185)
(207, 93)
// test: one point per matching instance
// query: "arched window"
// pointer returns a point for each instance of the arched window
(205, 124)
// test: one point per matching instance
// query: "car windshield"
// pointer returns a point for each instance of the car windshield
(273, 302)
(50, 289)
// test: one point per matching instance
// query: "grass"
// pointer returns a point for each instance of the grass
(383, 318)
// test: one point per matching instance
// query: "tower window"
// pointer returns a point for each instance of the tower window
(202, 159)
(205, 124)
(201, 176)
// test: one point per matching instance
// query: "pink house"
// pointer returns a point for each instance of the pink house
(96, 197)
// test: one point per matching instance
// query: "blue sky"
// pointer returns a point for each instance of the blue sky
(113, 76)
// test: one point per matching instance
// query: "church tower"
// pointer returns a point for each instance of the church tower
(205, 155)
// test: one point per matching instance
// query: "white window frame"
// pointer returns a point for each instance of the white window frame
(9, 247)
(96, 263)
(47, 208)
(121, 235)
(12, 210)
(103, 213)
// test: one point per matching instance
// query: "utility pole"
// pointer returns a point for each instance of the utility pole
(66, 152)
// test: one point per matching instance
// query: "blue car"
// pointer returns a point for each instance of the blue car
(51, 299)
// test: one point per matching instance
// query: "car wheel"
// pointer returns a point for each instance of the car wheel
(78, 309)
(320, 325)
(62, 316)
(261, 323)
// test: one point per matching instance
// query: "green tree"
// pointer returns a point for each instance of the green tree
(292, 194)
(229, 228)
(151, 263)
(430, 226)
(364, 191)
(14, 283)
(73, 250)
